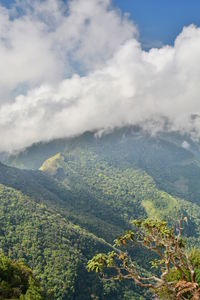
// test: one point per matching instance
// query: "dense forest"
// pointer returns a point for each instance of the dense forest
(17, 281)
(68, 200)
(39, 232)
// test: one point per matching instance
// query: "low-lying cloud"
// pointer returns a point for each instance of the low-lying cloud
(67, 69)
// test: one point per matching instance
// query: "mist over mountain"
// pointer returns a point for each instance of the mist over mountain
(172, 159)
(66, 72)
(95, 131)
(74, 196)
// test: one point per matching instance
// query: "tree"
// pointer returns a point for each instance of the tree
(17, 281)
(178, 273)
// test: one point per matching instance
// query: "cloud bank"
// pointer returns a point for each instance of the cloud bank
(70, 68)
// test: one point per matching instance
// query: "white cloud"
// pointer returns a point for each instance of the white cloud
(45, 50)
(43, 41)
(185, 145)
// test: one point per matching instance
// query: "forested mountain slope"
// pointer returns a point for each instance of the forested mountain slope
(39, 224)
(54, 248)
(172, 159)
(130, 192)
(85, 194)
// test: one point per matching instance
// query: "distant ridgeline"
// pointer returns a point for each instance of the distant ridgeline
(85, 194)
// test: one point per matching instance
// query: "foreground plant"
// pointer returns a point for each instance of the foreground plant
(178, 274)
(17, 281)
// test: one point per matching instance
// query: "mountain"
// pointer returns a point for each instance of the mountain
(172, 159)
(34, 232)
(52, 230)
(85, 193)
(131, 192)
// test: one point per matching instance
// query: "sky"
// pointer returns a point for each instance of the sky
(160, 21)
(88, 65)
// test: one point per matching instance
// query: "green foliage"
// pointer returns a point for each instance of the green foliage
(123, 190)
(36, 229)
(117, 194)
(54, 248)
(195, 259)
(178, 273)
(116, 191)
(175, 169)
(55, 226)
(17, 281)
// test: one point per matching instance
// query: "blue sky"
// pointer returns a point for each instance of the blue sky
(160, 21)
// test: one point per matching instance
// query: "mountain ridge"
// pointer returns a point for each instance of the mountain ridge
(91, 188)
